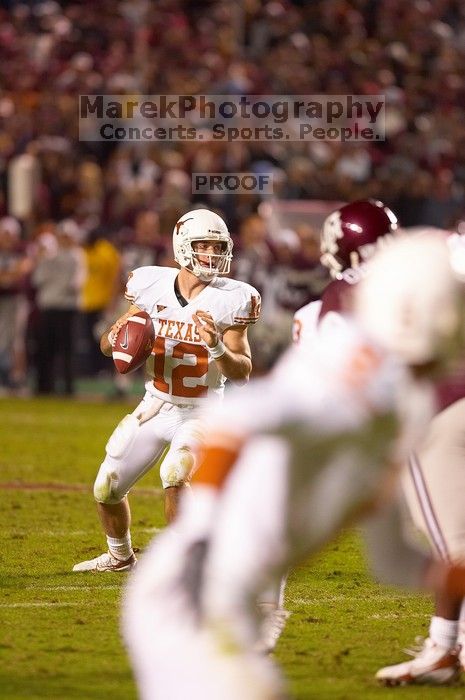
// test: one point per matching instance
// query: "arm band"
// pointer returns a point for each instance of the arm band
(218, 350)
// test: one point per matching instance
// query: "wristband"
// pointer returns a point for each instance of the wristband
(218, 350)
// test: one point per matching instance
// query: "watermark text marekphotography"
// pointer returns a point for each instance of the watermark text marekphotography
(232, 183)
(231, 118)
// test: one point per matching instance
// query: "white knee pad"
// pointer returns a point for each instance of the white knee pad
(176, 468)
(106, 486)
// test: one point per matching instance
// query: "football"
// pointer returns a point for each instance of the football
(134, 343)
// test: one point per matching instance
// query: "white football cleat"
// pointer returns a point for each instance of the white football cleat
(106, 562)
(271, 629)
(432, 664)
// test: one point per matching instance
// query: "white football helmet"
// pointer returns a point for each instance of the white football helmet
(411, 299)
(202, 225)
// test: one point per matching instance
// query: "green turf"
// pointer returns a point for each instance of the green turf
(59, 631)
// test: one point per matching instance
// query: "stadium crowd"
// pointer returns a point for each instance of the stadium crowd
(99, 204)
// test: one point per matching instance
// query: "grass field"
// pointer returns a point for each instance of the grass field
(59, 631)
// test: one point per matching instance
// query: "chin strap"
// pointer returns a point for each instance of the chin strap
(202, 276)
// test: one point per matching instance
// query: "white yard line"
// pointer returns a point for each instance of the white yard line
(290, 600)
(86, 589)
(47, 604)
(43, 605)
(70, 533)
(396, 616)
(344, 599)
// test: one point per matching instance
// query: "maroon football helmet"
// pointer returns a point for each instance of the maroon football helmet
(352, 233)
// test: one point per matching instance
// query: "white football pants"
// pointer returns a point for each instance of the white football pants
(136, 444)
(434, 484)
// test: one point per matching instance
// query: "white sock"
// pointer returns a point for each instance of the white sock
(120, 547)
(444, 632)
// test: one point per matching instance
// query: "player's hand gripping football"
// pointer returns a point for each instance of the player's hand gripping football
(116, 327)
(206, 328)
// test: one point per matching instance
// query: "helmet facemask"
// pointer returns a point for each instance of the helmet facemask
(213, 264)
(328, 248)
(206, 265)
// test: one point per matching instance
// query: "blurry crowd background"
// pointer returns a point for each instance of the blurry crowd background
(101, 209)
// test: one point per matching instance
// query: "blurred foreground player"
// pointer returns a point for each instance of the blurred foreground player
(320, 439)
(350, 236)
(200, 320)
(434, 485)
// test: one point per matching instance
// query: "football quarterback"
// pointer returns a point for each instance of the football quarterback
(200, 319)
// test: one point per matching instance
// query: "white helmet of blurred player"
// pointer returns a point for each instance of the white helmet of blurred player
(411, 301)
(202, 225)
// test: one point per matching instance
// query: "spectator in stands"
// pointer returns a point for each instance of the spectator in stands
(102, 280)
(446, 202)
(253, 254)
(14, 267)
(58, 277)
(144, 245)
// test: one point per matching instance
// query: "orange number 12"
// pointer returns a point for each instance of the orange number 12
(180, 372)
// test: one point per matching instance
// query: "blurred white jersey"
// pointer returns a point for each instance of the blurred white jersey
(335, 383)
(415, 403)
(309, 320)
(305, 322)
(181, 368)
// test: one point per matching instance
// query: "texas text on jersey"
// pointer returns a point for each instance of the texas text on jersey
(181, 368)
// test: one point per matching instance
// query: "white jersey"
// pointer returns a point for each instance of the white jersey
(346, 409)
(337, 383)
(181, 367)
(308, 322)
(305, 322)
